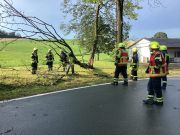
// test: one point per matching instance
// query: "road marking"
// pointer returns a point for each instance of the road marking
(65, 90)
(49, 93)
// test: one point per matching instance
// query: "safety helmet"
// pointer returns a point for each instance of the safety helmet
(120, 45)
(35, 49)
(154, 45)
(163, 48)
(134, 49)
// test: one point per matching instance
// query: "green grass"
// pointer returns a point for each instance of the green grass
(19, 53)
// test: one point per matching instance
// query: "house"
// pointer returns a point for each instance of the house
(142, 45)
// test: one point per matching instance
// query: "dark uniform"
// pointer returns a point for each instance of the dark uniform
(70, 64)
(163, 49)
(134, 65)
(34, 63)
(155, 71)
(49, 60)
(121, 60)
(64, 60)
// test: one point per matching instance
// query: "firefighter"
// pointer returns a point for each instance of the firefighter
(34, 58)
(163, 49)
(49, 60)
(70, 64)
(121, 60)
(63, 59)
(155, 71)
(134, 64)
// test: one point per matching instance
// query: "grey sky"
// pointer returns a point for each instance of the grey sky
(165, 18)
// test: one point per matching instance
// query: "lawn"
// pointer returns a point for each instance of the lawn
(16, 79)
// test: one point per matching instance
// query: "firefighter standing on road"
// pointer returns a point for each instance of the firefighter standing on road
(134, 64)
(163, 49)
(155, 70)
(49, 60)
(121, 60)
(34, 58)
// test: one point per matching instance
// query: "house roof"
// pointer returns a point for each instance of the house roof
(170, 42)
(135, 42)
(130, 43)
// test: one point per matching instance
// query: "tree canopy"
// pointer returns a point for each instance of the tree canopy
(160, 35)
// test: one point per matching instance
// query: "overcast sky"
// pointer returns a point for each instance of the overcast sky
(165, 18)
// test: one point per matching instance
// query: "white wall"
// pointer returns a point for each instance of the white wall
(143, 50)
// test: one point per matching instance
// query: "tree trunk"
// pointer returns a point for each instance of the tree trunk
(119, 18)
(98, 56)
(94, 47)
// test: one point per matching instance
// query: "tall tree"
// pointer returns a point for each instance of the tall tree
(85, 20)
(94, 47)
(119, 18)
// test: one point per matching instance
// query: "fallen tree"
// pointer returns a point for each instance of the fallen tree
(33, 28)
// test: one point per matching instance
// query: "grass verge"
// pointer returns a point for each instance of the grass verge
(19, 82)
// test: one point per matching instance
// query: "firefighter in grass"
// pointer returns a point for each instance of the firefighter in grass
(34, 63)
(70, 64)
(155, 71)
(163, 49)
(63, 59)
(49, 60)
(121, 60)
(134, 64)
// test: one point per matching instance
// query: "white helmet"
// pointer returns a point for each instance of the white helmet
(35, 49)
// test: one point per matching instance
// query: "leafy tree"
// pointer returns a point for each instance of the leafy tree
(90, 17)
(160, 35)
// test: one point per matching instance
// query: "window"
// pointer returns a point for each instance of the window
(177, 54)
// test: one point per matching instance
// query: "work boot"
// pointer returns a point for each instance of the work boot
(163, 88)
(125, 83)
(135, 79)
(148, 101)
(158, 103)
(33, 72)
(114, 83)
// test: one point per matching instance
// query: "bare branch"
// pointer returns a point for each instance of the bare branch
(32, 28)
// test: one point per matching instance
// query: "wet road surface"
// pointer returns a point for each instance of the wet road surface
(100, 110)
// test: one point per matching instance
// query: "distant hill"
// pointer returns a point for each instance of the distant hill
(4, 34)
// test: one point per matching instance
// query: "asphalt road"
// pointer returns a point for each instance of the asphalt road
(98, 110)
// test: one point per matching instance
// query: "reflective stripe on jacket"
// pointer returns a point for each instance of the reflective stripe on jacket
(134, 62)
(123, 59)
(34, 57)
(49, 57)
(157, 65)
